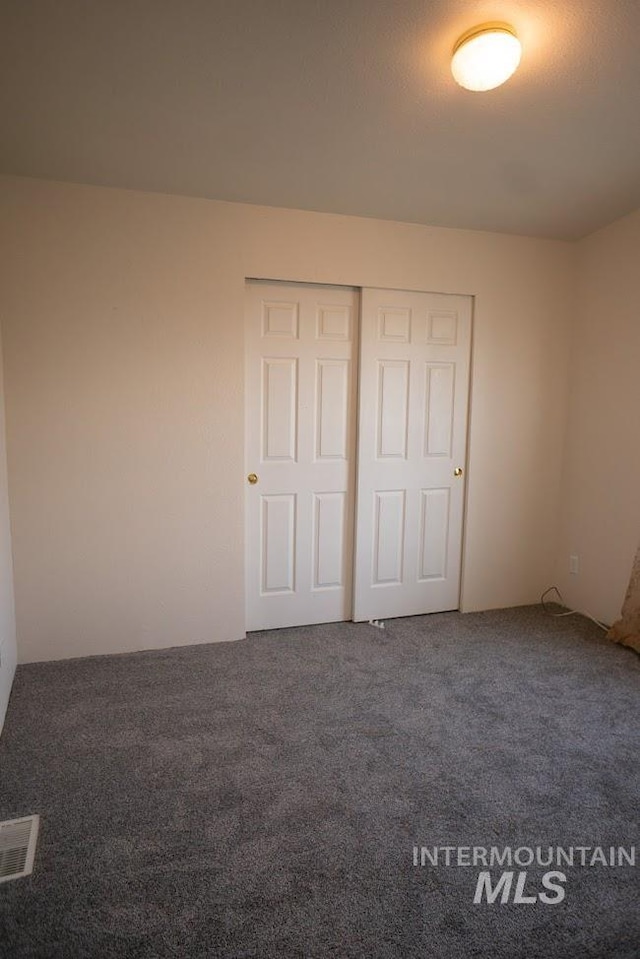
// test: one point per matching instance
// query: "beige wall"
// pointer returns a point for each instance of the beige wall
(8, 653)
(124, 418)
(600, 504)
(124, 362)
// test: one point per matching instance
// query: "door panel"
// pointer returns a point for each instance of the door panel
(332, 409)
(278, 543)
(434, 533)
(279, 409)
(300, 441)
(388, 534)
(392, 402)
(329, 540)
(414, 376)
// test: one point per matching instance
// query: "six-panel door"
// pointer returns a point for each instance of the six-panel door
(300, 443)
(414, 381)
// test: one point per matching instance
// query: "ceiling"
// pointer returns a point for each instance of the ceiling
(342, 106)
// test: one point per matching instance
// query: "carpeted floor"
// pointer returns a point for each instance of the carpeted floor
(263, 798)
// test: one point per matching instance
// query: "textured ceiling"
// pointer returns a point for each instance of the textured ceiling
(343, 106)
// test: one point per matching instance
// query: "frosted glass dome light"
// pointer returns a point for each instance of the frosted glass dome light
(483, 58)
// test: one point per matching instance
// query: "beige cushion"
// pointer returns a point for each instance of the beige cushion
(627, 629)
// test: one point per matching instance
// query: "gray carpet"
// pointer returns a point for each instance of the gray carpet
(262, 798)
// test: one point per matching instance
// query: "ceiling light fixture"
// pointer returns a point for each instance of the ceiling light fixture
(486, 56)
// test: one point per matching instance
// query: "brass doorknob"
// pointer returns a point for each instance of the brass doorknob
(457, 471)
(253, 478)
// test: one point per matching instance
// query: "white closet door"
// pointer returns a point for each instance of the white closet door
(412, 430)
(300, 444)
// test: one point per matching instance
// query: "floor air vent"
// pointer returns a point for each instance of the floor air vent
(17, 847)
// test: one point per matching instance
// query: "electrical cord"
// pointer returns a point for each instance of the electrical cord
(569, 612)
